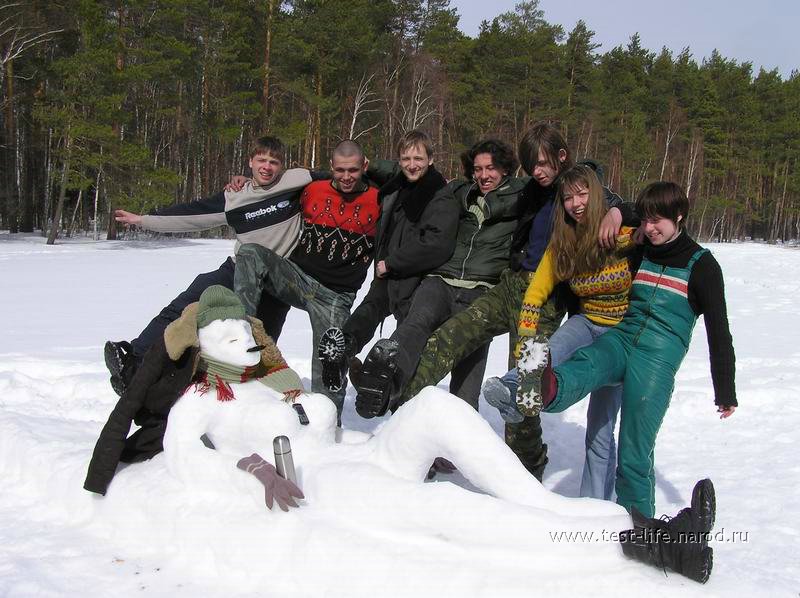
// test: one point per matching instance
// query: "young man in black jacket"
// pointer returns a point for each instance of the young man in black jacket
(415, 235)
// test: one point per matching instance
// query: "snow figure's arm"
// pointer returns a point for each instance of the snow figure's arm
(187, 457)
(407, 444)
(276, 489)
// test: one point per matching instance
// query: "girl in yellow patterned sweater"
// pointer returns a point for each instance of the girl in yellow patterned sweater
(601, 280)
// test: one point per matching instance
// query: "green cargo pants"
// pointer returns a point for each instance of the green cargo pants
(493, 314)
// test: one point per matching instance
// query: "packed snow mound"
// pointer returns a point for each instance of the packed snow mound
(366, 492)
(364, 530)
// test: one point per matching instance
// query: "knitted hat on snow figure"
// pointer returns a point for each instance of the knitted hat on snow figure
(219, 303)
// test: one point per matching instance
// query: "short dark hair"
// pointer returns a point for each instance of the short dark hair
(268, 145)
(502, 156)
(415, 138)
(347, 148)
(662, 199)
(543, 136)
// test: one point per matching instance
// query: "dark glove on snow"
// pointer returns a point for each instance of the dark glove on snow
(275, 487)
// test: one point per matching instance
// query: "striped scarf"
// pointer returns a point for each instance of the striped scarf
(219, 375)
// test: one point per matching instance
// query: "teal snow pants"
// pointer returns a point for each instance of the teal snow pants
(644, 352)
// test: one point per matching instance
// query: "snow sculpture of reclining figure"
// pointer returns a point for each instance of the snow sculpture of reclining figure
(240, 418)
(384, 472)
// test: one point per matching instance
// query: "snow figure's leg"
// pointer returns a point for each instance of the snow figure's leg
(437, 424)
(645, 398)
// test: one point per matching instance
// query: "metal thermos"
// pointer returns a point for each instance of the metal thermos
(283, 458)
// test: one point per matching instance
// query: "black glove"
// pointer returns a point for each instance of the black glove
(275, 487)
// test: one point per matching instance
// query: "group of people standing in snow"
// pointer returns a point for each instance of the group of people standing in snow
(458, 263)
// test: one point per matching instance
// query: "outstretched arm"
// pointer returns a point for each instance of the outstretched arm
(127, 218)
(196, 215)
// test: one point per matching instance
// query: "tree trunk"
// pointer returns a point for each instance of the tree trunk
(12, 195)
(265, 87)
(62, 193)
(317, 125)
(74, 214)
(96, 198)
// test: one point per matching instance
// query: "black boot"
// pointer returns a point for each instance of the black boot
(440, 465)
(376, 381)
(334, 351)
(699, 518)
(121, 364)
(679, 543)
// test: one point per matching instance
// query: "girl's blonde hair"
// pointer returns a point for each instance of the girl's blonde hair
(575, 245)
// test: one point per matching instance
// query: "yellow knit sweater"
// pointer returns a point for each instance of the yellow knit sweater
(603, 294)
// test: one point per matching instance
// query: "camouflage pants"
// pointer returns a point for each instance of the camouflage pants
(493, 314)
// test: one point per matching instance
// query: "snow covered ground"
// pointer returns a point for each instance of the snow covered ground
(365, 535)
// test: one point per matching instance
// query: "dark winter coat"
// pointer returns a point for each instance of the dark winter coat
(416, 232)
(482, 249)
(154, 389)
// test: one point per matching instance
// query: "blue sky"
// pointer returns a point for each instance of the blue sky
(764, 32)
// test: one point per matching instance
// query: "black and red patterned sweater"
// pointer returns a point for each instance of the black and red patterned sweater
(338, 238)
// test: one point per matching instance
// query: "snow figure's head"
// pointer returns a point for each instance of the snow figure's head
(223, 330)
(229, 341)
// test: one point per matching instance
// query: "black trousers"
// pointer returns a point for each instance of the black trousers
(434, 302)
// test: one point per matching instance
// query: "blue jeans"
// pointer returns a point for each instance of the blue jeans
(260, 270)
(599, 469)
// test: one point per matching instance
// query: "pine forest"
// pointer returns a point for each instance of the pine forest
(138, 103)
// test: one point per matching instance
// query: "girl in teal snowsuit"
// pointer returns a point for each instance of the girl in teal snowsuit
(675, 283)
